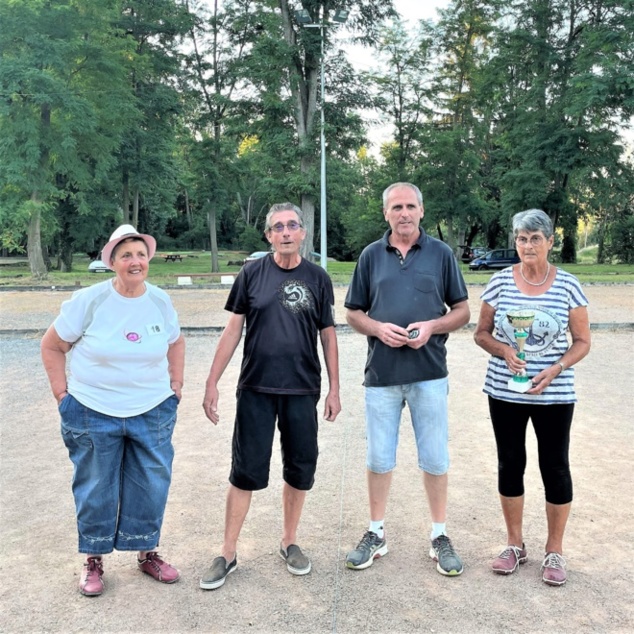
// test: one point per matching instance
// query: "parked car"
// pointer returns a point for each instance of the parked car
(496, 259)
(97, 266)
(470, 253)
(256, 255)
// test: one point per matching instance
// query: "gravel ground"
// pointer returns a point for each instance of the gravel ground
(401, 592)
(201, 308)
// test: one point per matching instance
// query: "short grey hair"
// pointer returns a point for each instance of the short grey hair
(393, 186)
(283, 207)
(532, 220)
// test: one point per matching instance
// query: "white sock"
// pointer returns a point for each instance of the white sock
(377, 528)
(437, 529)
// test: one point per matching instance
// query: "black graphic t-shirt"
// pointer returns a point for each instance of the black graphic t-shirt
(285, 310)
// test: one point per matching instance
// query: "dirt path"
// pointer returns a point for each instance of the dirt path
(205, 307)
(400, 593)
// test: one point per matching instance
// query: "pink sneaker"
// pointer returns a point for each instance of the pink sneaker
(91, 583)
(154, 566)
(507, 562)
(554, 569)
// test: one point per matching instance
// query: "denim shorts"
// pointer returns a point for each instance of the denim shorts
(122, 474)
(256, 413)
(427, 402)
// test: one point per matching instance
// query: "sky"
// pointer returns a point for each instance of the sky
(411, 11)
(418, 9)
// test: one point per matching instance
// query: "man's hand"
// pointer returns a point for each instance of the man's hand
(210, 404)
(425, 331)
(332, 406)
(392, 335)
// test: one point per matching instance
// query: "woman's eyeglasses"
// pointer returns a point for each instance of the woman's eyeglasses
(535, 241)
(278, 227)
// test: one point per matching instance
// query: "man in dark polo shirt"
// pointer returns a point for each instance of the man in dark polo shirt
(407, 294)
(286, 302)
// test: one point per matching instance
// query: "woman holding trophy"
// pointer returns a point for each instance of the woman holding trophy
(526, 312)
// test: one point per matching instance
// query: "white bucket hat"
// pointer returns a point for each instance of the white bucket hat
(122, 233)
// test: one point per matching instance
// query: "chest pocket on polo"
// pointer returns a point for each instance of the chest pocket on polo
(425, 283)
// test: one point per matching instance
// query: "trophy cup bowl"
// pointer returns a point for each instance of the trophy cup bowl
(521, 319)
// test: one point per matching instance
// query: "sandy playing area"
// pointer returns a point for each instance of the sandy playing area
(402, 592)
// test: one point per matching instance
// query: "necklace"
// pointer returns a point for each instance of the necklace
(533, 283)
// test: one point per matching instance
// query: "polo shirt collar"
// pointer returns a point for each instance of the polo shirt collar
(422, 238)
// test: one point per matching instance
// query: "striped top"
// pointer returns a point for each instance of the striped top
(546, 342)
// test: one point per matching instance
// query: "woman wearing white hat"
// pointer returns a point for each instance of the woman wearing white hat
(118, 406)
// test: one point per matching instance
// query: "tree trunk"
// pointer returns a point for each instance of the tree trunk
(451, 240)
(601, 233)
(34, 243)
(307, 203)
(126, 198)
(308, 210)
(188, 211)
(304, 82)
(135, 209)
(213, 239)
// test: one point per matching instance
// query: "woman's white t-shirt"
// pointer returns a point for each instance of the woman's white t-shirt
(118, 364)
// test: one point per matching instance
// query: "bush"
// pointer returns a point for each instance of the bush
(621, 244)
(250, 239)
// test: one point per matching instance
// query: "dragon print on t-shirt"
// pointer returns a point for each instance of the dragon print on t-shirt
(295, 296)
(543, 333)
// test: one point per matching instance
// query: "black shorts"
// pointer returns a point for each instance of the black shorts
(256, 413)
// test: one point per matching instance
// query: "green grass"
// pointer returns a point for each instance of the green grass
(198, 262)
(587, 255)
(587, 273)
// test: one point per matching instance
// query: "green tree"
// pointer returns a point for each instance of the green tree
(148, 153)
(62, 102)
(301, 66)
(561, 81)
(403, 93)
(222, 39)
(456, 141)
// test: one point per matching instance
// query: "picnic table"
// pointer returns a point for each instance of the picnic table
(172, 257)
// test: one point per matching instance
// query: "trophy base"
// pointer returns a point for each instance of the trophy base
(520, 386)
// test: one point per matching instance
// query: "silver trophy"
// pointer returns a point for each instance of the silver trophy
(521, 320)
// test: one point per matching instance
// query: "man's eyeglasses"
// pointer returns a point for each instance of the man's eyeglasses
(278, 227)
(535, 241)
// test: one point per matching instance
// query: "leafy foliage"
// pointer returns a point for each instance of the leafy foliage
(189, 119)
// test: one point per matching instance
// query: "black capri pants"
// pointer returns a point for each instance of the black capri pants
(256, 413)
(552, 428)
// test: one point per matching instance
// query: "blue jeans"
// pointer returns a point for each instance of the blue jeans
(427, 402)
(122, 474)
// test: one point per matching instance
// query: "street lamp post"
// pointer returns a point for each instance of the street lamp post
(304, 18)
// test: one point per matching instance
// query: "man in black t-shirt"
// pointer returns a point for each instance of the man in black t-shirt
(286, 303)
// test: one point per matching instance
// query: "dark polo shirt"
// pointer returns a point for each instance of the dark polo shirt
(418, 288)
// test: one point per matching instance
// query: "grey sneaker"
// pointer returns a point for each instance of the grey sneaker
(296, 562)
(370, 547)
(448, 561)
(217, 573)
